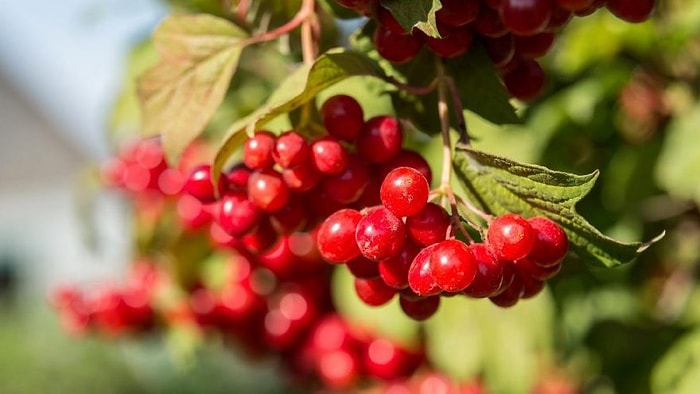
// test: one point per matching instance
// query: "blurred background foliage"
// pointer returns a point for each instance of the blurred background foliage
(622, 99)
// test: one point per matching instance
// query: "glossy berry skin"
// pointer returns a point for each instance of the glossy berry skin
(420, 309)
(380, 139)
(236, 214)
(454, 41)
(301, 178)
(267, 190)
(510, 237)
(489, 273)
(407, 158)
(380, 235)
(428, 226)
(257, 151)
(526, 80)
(336, 236)
(396, 48)
(457, 12)
(328, 156)
(394, 271)
(526, 17)
(374, 292)
(452, 265)
(199, 185)
(404, 191)
(290, 149)
(348, 186)
(634, 11)
(343, 117)
(420, 277)
(551, 242)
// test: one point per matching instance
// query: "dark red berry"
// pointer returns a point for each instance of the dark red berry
(394, 271)
(290, 149)
(526, 81)
(531, 47)
(531, 286)
(374, 292)
(386, 20)
(574, 5)
(488, 23)
(634, 11)
(510, 295)
(454, 41)
(420, 309)
(500, 49)
(457, 12)
(560, 17)
(361, 267)
(236, 179)
(420, 277)
(407, 158)
(260, 239)
(526, 17)
(452, 265)
(551, 243)
(396, 48)
(336, 236)
(380, 139)
(343, 117)
(380, 235)
(328, 156)
(267, 190)
(428, 226)
(510, 237)
(528, 268)
(257, 151)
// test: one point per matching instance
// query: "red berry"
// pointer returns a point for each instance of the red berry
(420, 309)
(560, 17)
(457, 12)
(428, 226)
(328, 155)
(510, 237)
(385, 360)
(199, 184)
(394, 271)
(343, 117)
(526, 81)
(260, 239)
(420, 277)
(380, 139)
(374, 292)
(510, 295)
(339, 368)
(489, 273)
(489, 23)
(236, 179)
(531, 47)
(257, 151)
(336, 236)
(290, 149)
(387, 20)
(574, 5)
(361, 267)
(404, 191)
(407, 158)
(348, 186)
(500, 49)
(452, 265)
(237, 215)
(291, 217)
(551, 243)
(454, 41)
(531, 286)
(634, 11)
(396, 48)
(528, 268)
(267, 191)
(526, 17)
(380, 235)
(301, 178)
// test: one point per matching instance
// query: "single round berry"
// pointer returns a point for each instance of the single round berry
(510, 237)
(551, 243)
(336, 236)
(290, 149)
(267, 190)
(380, 139)
(531, 286)
(394, 271)
(374, 292)
(257, 151)
(380, 235)
(428, 226)
(420, 277)
(526, 17)
(343, 117)
(531, 47)
(457, 12)
(396, 48)
(328, 156)
(489, 273)
(420, 309)
(301, 178)
(199, 184)
(236, 179)
(634, 11)
(454, 41)
(510, 295)
(236, 214)
(452, 265)
(526, 81)
(404, 191)
(348, 186)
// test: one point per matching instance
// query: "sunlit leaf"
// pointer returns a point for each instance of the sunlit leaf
(417, 13)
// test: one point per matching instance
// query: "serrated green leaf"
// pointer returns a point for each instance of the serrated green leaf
(198, 57)
(302, 85)
(500, 185)
(416, 13)
(479, 86)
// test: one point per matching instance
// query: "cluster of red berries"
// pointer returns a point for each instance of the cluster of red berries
(514, 32)
(110, 310)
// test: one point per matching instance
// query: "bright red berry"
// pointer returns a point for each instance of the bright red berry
(336, 236)
(404, 191)
(328, 156)
(407, 158)
(551, 243)
(199, 184)
(374, 292)
(396, 48)
(452, 265)
(343, 117)
(348, 186)
(380, 235)
(428, 226)
(394, 271)
(489, 273)
(380, 139)
(257, 151)
(267, 190)
(510, 237)
(236, 214)
(420, 277)
(290, 149)
(301, 178)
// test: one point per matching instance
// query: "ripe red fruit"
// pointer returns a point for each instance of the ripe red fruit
(510, 237)
(526, 17)
(452, 265)
(526, 81)
(374, 292)
(489, 273)
(387, 20)
(290, 149)
(339, 368)
(634, 11)
(574, 5)
(394, 271)
(396, 48)
(328, 155)
(385, 360)
(380, 235)
(343, 117)
(454, 41)
(199, 185)
(257, 151)
(236, 179)
(336, 236)
(267, 190)
(489, 23)
(261, 238)
(361, 267)
(301, 178)
(527, 267)
(457, 12)
(380, 139)
(407, 158)
(510, 295)
(420, 277)
(500, 49)
(404, 191)
(421, 308)
(560, 17)
(551, 243)
(531, 47)
(348, 186)
(428, 226)
(236, 214)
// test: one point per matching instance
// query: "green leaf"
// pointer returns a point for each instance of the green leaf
(198, 57)
(480, 88)
(500, 185)
(301, 86)
(416, 13)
